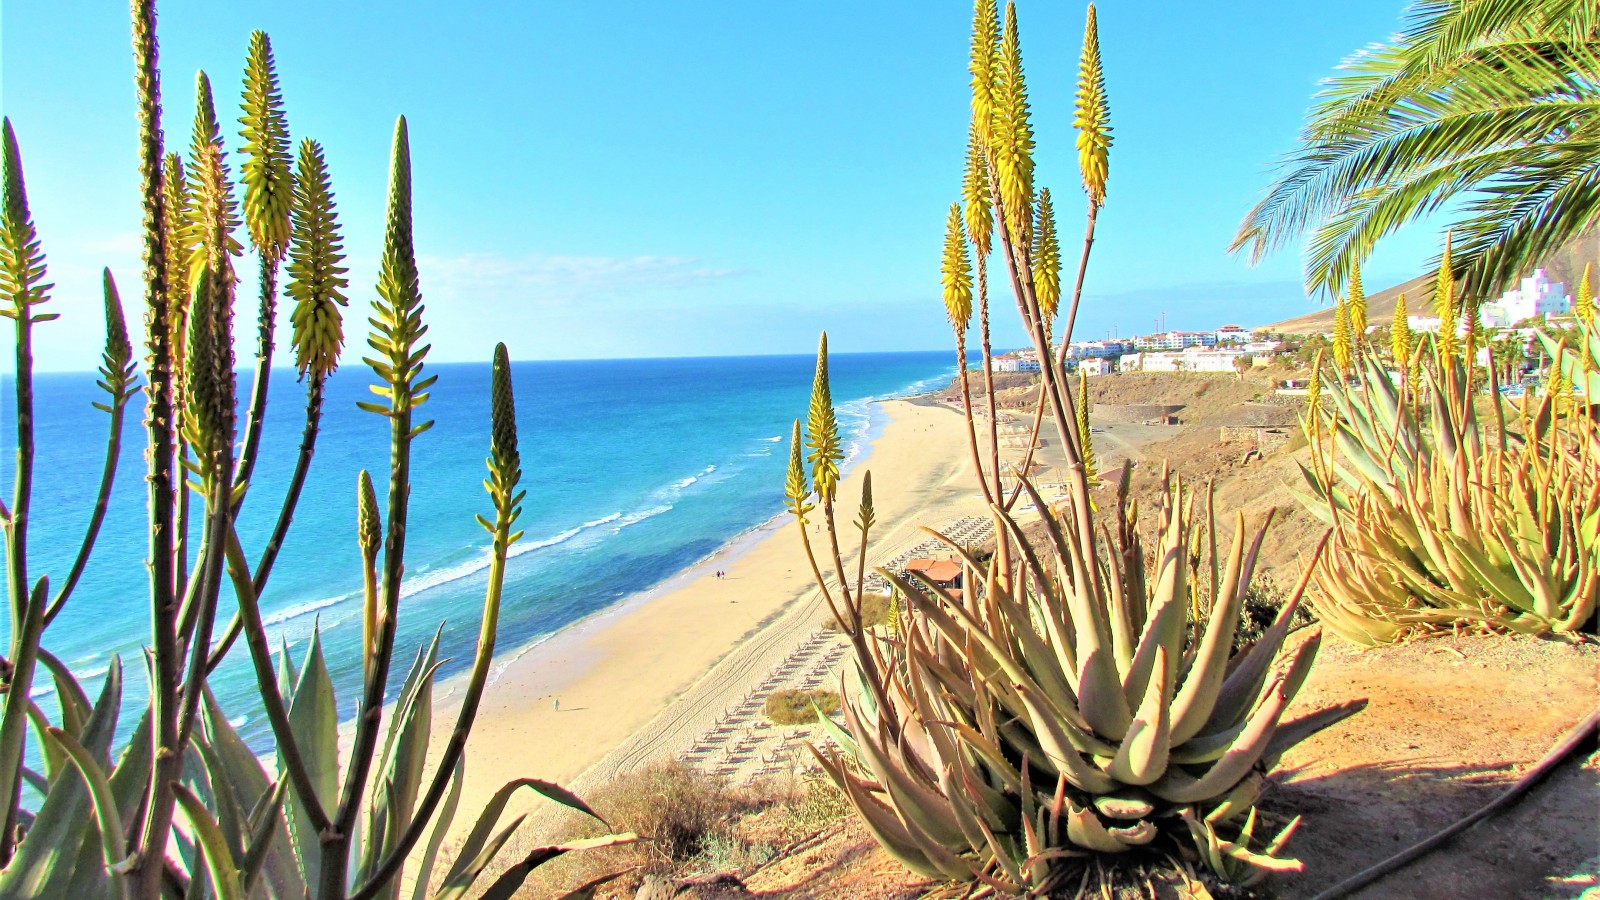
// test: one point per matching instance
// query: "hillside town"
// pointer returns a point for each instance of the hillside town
(1511, 321)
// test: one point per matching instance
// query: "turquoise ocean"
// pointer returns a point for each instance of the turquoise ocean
(635, 470)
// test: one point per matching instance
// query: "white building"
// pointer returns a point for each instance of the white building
(1178, 340)
(1097, 366)
(1015, 362)
(1537, 295)
(1098, 349)
(1232, 334)
(1193, 359)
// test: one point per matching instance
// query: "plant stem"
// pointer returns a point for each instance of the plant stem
(336, 845)
(988, 368)
(1022, 283)
(258, 391)
(150, 845)
(27, 622)
(269, 554)
(390, 866)
(219, 524)
(966, 407)
(255, 636)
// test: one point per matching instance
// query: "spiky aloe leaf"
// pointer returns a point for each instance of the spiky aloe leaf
(314, 721)
(1011, 132)
(316, 279)
(482, 842)
(400, 767)
(796, 487)
(956, 273)
(1046, 259)
(61, 854)
(22, 266)
(1092, 115)
(233, 767)
(268, 190)
(825, 450)
(219, 863)
(106, 816)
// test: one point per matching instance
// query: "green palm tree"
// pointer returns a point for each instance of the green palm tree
(1491, 106)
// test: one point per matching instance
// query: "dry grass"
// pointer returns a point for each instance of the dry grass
(797, 707)
(696, 825)
(685, 816)
(874, 612)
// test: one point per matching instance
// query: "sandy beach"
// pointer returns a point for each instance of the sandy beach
(640, 679)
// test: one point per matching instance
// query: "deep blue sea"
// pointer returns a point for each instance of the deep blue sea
(635, 470)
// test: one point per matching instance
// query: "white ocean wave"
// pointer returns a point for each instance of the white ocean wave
(563, 537)
(290, 613)
(640, 516)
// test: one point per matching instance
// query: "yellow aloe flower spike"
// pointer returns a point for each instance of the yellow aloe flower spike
(956, 273)
(1357, 307)
(1583, 307)
(1091, 463)
(1444, 304)
(1011, 134)
(1092, 116)
(985, 61)
(1400, 334)
(1046, 260)
(975, 192)
(1341, 336)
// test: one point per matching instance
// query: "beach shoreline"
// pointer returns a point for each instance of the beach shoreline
(678, 650)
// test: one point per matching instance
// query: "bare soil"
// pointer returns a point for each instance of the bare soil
(1451, 723)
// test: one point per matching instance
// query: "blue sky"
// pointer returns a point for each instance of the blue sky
(625, 179)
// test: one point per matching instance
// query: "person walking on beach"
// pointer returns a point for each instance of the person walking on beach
(557, 704)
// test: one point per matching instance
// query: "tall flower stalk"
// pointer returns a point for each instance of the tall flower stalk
(955, 273)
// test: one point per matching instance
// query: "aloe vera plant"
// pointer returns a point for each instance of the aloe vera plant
(1443, 520)
(1065, 710)
(185, 808)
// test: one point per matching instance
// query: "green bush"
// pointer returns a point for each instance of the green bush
(798, 707)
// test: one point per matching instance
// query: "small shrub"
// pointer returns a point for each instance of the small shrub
(674, 804)
(1262, 603)
(724, 850)
(797, 707)
(690, 822)
(820, 804)
(874, 613)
